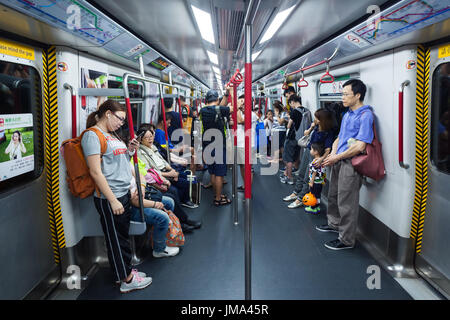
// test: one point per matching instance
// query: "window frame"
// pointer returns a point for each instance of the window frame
(8, 185)
(434, 117)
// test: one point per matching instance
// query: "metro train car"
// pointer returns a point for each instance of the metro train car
(161, 69)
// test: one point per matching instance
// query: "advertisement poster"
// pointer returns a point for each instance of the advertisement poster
(154, 103)
(89, 104)
(159, 63)
(16, 145)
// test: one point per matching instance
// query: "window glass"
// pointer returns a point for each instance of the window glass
(21, 151)
(440, 124)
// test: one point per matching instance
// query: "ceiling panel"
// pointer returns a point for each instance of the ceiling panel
(167, 26)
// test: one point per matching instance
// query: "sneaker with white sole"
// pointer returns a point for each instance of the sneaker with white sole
(337, 245)
(290, 198)
(312, 210)
(168, 252)
(135, 271)
(136, 283)
(283, 179)
(290, 181)
(295, 204)
(326, 228)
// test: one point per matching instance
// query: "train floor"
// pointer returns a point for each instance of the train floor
(289, 260)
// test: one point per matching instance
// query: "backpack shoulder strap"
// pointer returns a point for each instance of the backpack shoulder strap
(101, 138)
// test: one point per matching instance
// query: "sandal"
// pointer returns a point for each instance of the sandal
(206, 186)
(222, 202)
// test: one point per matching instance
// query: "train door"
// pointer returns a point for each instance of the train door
(26, 253)
(432, 254)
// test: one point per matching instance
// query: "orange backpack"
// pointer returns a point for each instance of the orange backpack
(79, 180)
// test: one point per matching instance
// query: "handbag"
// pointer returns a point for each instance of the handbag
(155, 176)
(174, 235)
(370, 163)
(304, 141)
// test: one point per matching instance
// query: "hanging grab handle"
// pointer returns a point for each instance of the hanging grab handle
(302, 83)
(327, 74)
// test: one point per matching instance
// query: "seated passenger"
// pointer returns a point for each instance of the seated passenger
(148, 153)
(175, 151)
(154, 214)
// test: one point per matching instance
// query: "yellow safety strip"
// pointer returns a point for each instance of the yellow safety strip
(52, 151)
(422, 137)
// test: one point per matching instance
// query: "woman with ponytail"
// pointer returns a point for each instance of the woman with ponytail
(111, 172)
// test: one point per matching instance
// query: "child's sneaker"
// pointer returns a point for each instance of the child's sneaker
(283, 179)
(290, 181)
(312, 210)
(136, 283)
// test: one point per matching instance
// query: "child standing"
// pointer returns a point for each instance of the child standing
(316, 176)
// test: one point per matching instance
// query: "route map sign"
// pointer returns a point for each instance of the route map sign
(403, 18)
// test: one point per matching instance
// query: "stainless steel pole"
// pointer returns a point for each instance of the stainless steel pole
(248, 153)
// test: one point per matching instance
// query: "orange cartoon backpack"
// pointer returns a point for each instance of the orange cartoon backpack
(309, 200)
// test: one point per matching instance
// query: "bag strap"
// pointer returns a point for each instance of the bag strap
(375, 136)
(101, 138)
(155, 175)
(103, 147)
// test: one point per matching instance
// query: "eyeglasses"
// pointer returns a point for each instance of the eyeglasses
(347, 94)
(122, 120)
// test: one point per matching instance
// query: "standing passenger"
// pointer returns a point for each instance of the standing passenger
(214, 116)
(112, 175)
(343, 195)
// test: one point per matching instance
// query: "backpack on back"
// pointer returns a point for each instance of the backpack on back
(79, 179)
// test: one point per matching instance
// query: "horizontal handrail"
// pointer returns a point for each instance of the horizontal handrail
(326, 60)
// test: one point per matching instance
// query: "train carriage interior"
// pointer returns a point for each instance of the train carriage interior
(233, 230)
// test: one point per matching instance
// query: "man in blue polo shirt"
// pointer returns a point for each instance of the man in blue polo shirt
(343, 195)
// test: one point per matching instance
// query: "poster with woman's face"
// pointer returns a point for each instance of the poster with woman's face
(16, 145)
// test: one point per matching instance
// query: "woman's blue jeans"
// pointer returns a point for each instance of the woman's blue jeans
(159, 219)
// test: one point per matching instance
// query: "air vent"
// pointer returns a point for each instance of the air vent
(230, 24)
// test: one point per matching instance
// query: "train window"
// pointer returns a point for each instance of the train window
(440, 124)
(21, 151)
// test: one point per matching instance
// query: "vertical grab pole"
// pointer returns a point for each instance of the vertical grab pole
(74, 109)
(163, 108)
(132, 136)
(180, 111)
(400, 125)
(248, 173)
(235, 174)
